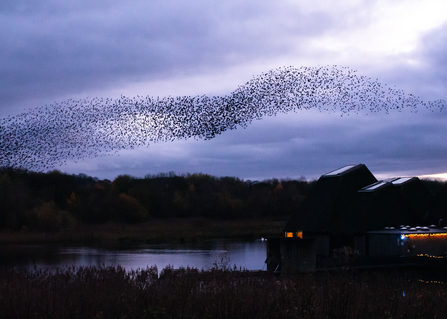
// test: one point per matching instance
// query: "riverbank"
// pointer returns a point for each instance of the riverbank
(153, 231)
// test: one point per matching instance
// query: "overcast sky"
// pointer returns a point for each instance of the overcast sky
(59, 50)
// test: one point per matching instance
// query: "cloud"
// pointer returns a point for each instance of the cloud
(306, 143)
(422, 71)
(59, 50)
(56, 50)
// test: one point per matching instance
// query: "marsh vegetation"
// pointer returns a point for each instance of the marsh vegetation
(221, 292)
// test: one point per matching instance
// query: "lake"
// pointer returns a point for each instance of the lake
(245, 254)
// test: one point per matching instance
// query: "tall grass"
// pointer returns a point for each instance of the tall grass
(113, 292)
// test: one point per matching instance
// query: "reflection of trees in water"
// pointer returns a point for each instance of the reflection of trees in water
(30, 257)
(44, 256)
(44, 137)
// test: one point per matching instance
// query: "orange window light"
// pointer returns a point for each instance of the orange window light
(425, 235)
(299, 234)
(289, 234)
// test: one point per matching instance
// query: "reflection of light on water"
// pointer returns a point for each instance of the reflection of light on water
(176, 251)
(248, 255)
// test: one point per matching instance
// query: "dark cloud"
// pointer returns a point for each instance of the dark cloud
(433, 57)
(422, 71)
(55, 50)
(76, 129)
(306, 143)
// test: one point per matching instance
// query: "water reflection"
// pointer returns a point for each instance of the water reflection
(248, 255)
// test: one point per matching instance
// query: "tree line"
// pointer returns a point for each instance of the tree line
(55, 200)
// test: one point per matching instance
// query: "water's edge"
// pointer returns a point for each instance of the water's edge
(249, 255)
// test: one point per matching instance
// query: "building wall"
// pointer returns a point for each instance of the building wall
(384, 245)
(322, 245)
(273, 259)
(298, 254)
(380, 245)
(360, 245)
(425, 245)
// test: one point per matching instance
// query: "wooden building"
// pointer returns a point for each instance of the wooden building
(350, 212)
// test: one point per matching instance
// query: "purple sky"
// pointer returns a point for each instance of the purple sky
(54, 51)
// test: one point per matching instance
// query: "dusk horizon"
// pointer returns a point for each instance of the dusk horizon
(292, 82)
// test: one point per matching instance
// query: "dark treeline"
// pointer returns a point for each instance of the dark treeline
(48, 201)
(112, 292)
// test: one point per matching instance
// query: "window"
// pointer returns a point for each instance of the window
(340, 170)
(289, 234)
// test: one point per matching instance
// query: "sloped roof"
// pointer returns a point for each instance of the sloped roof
(353, 201)
(386, 204)
(329, 198)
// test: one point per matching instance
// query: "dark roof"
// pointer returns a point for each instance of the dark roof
(438, 209)
(417, 197)
(329, 198)
(353, 201)
(385, 204)
(404, 230)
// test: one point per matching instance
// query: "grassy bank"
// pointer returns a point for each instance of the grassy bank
(154, 231)
(111, 292)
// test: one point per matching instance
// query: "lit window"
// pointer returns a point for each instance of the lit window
(425, 235)
(299, 234)
(289, 234)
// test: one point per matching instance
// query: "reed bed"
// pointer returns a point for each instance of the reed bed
(221, 292)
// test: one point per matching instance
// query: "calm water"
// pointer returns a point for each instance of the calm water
(248, 255)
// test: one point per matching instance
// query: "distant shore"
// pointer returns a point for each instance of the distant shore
(153, 231)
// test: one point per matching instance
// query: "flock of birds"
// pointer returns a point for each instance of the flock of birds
(48, 136)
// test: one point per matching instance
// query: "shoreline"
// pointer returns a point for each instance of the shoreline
(152, 232)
